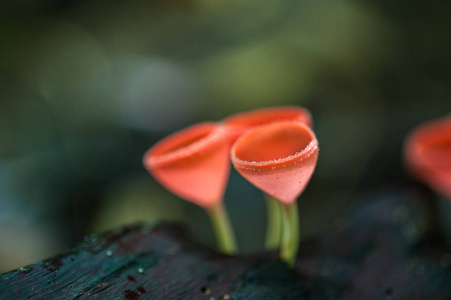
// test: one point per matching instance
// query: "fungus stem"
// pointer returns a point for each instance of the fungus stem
(274, 223)
(290, 237)
(222, 227)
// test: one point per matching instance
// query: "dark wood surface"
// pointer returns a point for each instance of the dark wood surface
(386, 248)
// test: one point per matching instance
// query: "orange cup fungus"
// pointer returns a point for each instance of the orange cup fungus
(239, 123)
(428, 154)
(274, 149)
(279, 158)
(192, 163)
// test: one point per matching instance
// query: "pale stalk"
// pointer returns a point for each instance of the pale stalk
(290, 237)
(222, 227)
(274, 223)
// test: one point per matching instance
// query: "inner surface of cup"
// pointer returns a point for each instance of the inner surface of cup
(430, 145)
(439, 150)
(185, 143)
(186, 140)
(273, 143)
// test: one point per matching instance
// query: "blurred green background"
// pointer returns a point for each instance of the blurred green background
(86, 87)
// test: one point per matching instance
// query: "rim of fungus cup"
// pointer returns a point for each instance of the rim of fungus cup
(194, 140)
(271, 164)
(269, 115)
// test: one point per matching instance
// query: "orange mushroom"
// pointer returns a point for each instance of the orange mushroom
(279, 158)
(194, 165)
(238, 124)
(428, 154)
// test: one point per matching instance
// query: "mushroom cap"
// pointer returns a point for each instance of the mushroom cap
(239, 123)
(279, 158)
(427, 154)
(192, 163)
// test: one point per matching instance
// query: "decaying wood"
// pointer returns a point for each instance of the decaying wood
(382, 250)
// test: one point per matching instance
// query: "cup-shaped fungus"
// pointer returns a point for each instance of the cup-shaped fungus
(239, 123)
(428, 154)
(279, 158)
(194, 165)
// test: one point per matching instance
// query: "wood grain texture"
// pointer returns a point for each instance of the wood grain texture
(384, 249)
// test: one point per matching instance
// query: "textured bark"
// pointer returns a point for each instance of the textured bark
(382, 250)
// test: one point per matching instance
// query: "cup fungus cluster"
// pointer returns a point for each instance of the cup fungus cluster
(275, 149)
